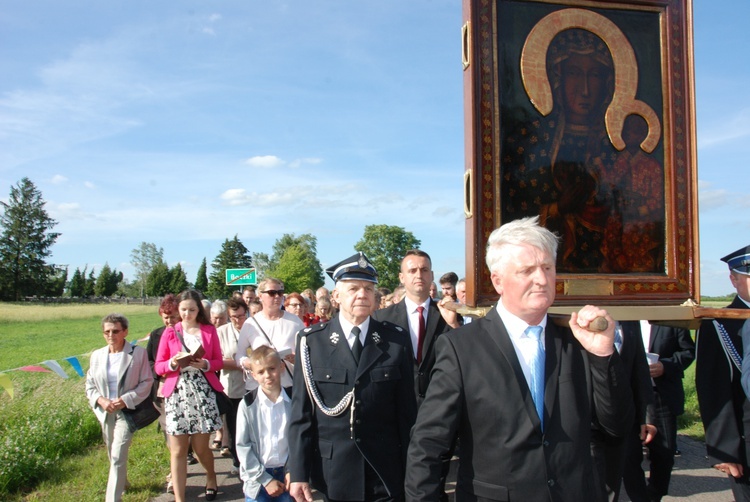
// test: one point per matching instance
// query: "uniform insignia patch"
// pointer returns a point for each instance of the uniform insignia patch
(376, 337)
(334, 338)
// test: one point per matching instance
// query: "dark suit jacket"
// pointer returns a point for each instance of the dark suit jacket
(330, 452)
(634, 360)
(676, 350)
(724, 408)
(478, 392)
(435, 326)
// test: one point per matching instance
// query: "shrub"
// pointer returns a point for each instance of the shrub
(49, 418)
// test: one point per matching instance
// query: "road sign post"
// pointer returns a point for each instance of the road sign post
(240, 277)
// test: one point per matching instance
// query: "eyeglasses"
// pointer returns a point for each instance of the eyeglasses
(295, 305)
(237, 317)
(274, 292)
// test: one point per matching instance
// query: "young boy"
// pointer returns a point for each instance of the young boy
(262, 428)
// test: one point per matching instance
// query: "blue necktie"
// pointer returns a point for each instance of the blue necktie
(536, 365)
(618, 337)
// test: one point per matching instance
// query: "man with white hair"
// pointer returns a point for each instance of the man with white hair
(520, 392)
(353, 404)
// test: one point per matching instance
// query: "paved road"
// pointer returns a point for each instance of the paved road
(692, 479)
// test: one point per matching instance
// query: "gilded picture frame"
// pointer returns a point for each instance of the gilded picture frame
(582, 113)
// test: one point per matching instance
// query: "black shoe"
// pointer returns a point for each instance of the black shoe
(211, 493)
(677, 453)
(191, 460)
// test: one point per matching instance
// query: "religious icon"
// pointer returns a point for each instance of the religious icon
(567, 163)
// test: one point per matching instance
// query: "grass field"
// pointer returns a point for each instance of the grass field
(30, 334)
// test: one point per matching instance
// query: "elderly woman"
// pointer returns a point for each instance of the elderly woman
(189, 390)
(219, 316)
(295, 304)
(119, 377)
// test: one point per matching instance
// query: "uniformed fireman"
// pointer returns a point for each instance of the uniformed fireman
(354, 402)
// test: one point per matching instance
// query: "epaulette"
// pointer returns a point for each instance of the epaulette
(390, 325)
(313, 328)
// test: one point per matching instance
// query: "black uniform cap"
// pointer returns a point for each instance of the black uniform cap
(356, 267)
(739, 261)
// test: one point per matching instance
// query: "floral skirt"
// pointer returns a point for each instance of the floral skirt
(191, 408)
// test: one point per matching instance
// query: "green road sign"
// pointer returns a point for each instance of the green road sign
(240, 276)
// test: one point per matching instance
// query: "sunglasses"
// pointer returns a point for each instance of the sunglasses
(295, 305)
(274, 292)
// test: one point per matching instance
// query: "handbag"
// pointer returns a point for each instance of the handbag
(222, 402)
(144, 413)
(142, 416)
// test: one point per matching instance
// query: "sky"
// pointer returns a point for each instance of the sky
(185, 123)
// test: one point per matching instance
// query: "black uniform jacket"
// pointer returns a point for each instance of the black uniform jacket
(724, 408)
(330, 451)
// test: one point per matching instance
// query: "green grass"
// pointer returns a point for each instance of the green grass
(690, 423)
(30, 334)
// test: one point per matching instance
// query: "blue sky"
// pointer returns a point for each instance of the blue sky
(185, 123)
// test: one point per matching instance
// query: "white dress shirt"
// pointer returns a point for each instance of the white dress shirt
(413, 316)
(274, 443)
(524, 344)
(346, 326)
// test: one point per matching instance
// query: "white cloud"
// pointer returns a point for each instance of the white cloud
(236, 197)
(58, 178)
(214, 17)
(89, 185)
(208, 31)
(265, 161)
(300, 162)
(710, 197)
(68, 211)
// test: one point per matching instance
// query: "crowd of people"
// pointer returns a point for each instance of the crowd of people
(366, 394)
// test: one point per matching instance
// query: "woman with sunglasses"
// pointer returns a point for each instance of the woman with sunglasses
(273, 327)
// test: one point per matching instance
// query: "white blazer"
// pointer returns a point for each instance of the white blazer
(135, 378)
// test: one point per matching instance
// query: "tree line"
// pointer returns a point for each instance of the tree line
(27, 238)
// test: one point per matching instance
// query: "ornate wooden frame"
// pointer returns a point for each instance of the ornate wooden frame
(503, 59)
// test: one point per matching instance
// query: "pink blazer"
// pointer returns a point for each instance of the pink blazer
(169, 345)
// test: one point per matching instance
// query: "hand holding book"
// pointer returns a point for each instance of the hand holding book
(183, 359)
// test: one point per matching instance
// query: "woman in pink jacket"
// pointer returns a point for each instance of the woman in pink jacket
(189, 390)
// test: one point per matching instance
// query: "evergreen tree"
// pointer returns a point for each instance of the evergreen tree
(77, 286)
(56, 280)
(90, 284)
(25, 242)
(233, 254)
(107, 282)
(178, 280)
(201, 279)
(159, 280)
(385, 246)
